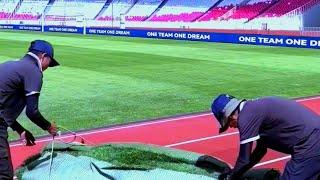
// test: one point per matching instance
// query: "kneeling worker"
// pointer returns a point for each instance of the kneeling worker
(276, 123)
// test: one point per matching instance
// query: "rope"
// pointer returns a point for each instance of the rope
(83, 139)
(51, 157)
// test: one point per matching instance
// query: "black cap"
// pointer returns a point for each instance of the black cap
(45, 47)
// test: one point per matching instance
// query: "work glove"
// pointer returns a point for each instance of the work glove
(53, 129)
(226, 174)
(28, 138)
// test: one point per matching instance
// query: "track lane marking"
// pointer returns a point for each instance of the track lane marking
(152, 123)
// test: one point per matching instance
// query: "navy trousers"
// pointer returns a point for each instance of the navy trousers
(305, 166)
(302, 169)
(6, 169)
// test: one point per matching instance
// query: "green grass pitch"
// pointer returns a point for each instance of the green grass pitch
(107, 80)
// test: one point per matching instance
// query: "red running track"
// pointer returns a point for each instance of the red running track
(197, 133)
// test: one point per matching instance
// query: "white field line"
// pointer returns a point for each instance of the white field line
(308, 99)
(118, 128)
(151, 123)
(272, 161)
(234, 133)
(202, 139)
(227, 134)
(224, 135)
(176, 144)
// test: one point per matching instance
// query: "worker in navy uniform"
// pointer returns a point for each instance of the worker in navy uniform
(20, 86)
(276, 123)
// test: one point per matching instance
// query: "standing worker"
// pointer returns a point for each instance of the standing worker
(276, 123)
(20, 86)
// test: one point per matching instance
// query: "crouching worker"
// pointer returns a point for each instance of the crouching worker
(276, 123)
(20, 86)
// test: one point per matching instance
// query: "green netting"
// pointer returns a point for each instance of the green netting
(122, 161)
(67, 166)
